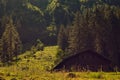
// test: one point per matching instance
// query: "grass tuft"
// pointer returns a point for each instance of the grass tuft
(97, 75)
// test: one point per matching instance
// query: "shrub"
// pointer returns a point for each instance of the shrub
(25, 68)
(71, 75)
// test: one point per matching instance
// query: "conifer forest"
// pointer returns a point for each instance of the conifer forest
(38, 36)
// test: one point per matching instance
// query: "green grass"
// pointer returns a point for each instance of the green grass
(36, 67)
(44, 75)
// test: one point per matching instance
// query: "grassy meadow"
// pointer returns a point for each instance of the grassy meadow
(10, 73)
(37, 66)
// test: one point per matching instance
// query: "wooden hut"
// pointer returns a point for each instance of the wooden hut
(87, 60)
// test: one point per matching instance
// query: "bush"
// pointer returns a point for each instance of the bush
(25, 68)
(71, 75)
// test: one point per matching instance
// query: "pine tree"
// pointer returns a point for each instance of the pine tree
(75, 38)
(112, 41)
(11, 44)
(94, 31)
(62, 38)
(103, 31)
(87, 30)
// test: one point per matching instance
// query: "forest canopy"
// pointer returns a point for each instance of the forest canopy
(72, 24)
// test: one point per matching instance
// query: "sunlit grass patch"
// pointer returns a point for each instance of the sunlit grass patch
(38, 66)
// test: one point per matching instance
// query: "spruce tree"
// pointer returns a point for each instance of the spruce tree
(62, 38)
(11, 44)
(94, 31)
(74, 36)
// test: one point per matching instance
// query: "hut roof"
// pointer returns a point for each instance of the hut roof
(84, 53)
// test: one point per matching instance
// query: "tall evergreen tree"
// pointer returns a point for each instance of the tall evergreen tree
(62, 38)
(11, 44)
(96, 33)
(75, 37)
